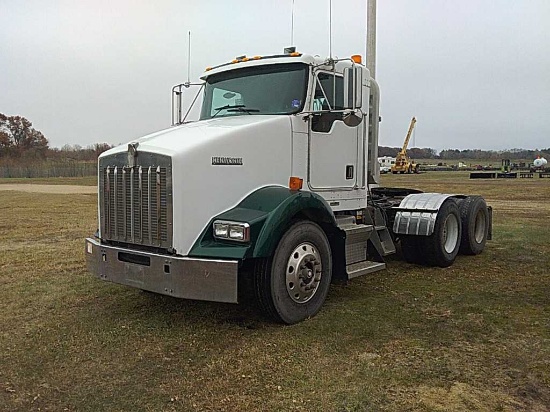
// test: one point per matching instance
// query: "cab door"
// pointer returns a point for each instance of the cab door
(333, 146)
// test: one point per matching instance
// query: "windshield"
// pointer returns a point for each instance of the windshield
(273, 89)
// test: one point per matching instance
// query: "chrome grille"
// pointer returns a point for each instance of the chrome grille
(136, 202)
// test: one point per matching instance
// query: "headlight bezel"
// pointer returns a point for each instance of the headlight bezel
(231, 227)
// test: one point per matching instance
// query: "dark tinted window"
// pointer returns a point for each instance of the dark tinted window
(273, 89)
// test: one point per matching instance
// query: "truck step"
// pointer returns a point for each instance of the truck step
(386, 242)
(362, 268)
(357, 237)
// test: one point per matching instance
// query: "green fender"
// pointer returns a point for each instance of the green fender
(269, 211)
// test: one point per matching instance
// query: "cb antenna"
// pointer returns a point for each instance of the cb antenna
(292, 25)
(189, 59)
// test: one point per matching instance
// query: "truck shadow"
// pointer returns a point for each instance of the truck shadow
(243, 315)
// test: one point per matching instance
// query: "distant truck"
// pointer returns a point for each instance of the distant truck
(273, 193)
(539, 164)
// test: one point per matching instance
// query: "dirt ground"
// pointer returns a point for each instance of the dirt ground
(55, 189)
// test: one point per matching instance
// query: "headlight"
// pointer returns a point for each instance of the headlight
(221, 230)
(237, 231)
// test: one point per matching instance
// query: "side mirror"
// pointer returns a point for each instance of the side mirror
(353, 87)
(177, 103)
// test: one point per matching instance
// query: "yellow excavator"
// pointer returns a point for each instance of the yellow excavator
(403, 164)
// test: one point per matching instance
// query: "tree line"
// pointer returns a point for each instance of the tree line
(471, 154)
(19, 141)
(21, 144)
(25, 152)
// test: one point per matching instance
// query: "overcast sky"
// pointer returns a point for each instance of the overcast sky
(475, 73)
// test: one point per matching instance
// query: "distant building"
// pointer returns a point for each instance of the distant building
(386, 162)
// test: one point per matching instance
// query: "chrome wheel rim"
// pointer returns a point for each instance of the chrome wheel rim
(450, 233)
(480, 226)
(303, 272)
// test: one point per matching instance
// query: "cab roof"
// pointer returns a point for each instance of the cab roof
(245, 61)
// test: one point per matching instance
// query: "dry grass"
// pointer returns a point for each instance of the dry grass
(78, 181)
(475, 336)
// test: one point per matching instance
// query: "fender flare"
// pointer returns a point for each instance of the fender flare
(269, 211)
(308, 204)
(417, 213)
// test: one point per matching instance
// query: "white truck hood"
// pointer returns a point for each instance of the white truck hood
(203, 183)
(187, 136)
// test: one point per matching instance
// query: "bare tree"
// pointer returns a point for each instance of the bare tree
(17, 136)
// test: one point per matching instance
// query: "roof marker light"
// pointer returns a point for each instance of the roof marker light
(356, 58)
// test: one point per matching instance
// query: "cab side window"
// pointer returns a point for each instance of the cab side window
(329, 95)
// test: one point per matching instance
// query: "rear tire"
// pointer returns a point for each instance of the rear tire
(412, 248)
(442, 246)
(475, 225)
(293, 285)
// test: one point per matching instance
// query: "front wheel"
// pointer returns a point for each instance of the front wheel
(293, 285)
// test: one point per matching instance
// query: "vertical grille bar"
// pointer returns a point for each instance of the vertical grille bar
(140, 173)
(150, 218)
(116, 200)
(108, 195)
(132, 205)
(125, 197)
(158, 204)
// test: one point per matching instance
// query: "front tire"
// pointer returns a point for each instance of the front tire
(293, 285)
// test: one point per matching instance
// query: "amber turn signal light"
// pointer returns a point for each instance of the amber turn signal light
(295, 183)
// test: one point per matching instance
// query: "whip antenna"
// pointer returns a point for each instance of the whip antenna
(292, 25)
(330, 29)
(189, 58)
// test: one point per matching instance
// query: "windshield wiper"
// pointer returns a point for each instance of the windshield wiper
(234, 108)
(243, 109)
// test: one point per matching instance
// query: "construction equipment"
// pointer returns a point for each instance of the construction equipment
(403, 164)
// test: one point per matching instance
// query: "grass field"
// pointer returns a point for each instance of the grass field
(472, 337)
(80, 181)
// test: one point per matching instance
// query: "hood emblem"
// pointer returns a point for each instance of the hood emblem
(132, 154)
(226, 161)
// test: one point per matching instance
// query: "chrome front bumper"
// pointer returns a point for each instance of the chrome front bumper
(182, 277)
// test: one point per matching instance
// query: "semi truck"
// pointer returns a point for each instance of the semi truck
(272, 194)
